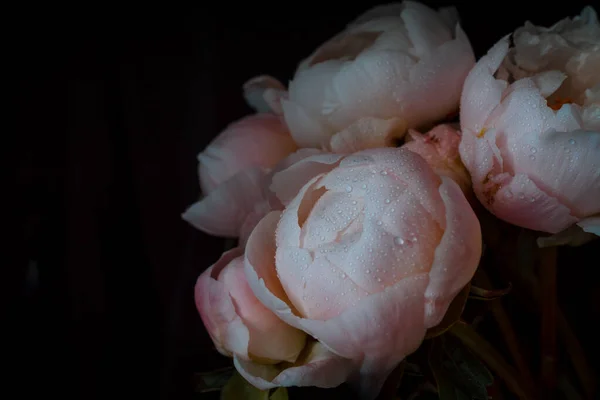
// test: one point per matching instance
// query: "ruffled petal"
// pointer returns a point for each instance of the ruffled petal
(287, 183)
(227, 330)
(225, 209)
(367, 133)
(481, 91)
(456, 257)
(306, 129)
(259, 140)
(521, 202)
(264, 94)
(271, 340)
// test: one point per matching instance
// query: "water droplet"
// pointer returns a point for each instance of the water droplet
(354, 202)
(399, 241)
(532, 199)
(343, 275)
(348, 188)
(533, 150)
(368, 271)
(364, 186)
(384, 172)
(508, 194)
(532, 157)
(326, 298)
(379, 223)
(571, 141)
(387, 201)
(322, 238)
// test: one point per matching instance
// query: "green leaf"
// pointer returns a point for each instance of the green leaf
(453, 314)
(468, 371)
(279, 394)
(478, 293)
(446, 388)
(213, 380)
(458, 373)
(237, 388)
(492, 357)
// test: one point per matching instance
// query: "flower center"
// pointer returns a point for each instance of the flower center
(557, 102)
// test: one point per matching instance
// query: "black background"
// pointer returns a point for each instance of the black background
(112, 107)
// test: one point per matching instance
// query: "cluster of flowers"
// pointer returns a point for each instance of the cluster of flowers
(353, 205)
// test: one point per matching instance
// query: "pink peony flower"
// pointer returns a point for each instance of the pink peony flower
(530, 119)
(243, 328)
(259, 140)
(367, 255)
(396, 67)
(439, 147)
(234, 175)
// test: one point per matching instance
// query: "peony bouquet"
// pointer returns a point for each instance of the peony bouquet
(387, 198)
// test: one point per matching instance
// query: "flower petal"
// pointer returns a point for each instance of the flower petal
(481, 91)
(565, 165)
(591, 224)
(439, 147)
(287, 183)
(367, 133)
(456, 257)
(425, 27)
(320, 368)
(306, 129)
(521, 202)
(216, 308)
(271, 339)
(225, 209)
(260, 140)
(259, 257)
(353, 334)
(264, 94)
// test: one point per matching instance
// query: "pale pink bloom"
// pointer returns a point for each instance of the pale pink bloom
(530, 119)
(243, 328)
(439, 147)
(259, 140)
(367, 255)
(234, 175)
(396, 67)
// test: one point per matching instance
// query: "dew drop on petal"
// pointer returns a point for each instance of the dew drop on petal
(348, 188)
(571, 141)
(399, 241)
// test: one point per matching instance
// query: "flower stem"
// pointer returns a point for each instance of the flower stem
(575, 350)
(509, 335)
(492, 358)
(549, 308)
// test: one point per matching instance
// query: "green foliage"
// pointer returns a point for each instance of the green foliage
(459, 374)
(237, 388)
